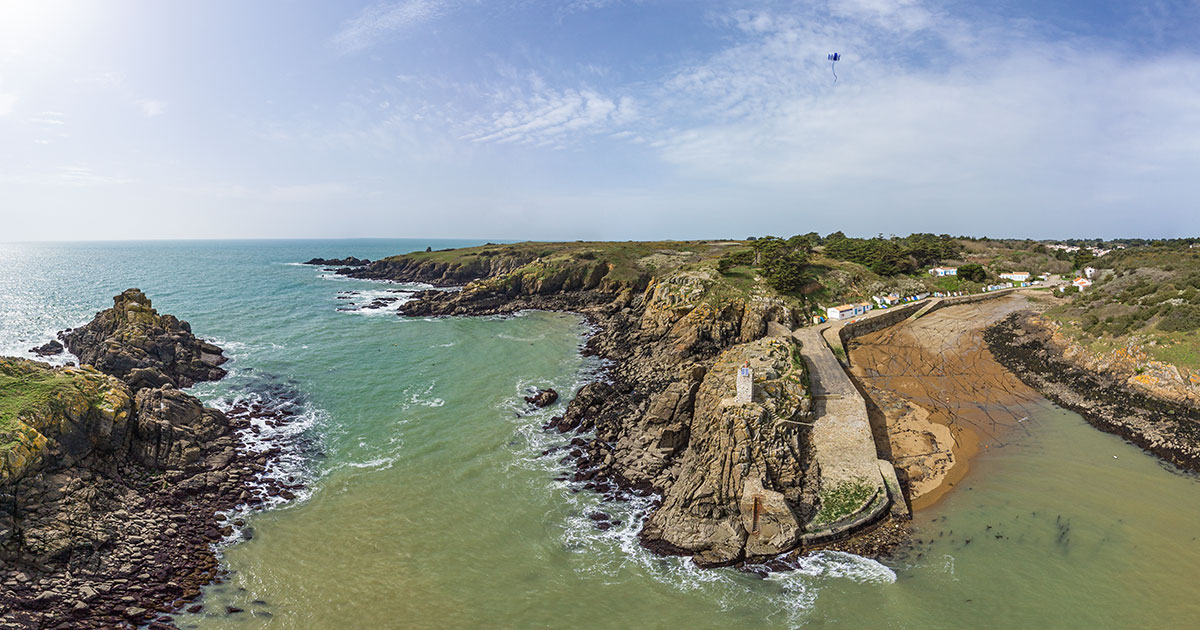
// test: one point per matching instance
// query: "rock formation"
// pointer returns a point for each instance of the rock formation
(739, 485)
(110, 477)
(349, 261)
(133, 342)
(731, 477)
(48, 349)
(542, 398)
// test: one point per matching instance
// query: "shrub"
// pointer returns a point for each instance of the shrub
(972, 272)
(1180, 318)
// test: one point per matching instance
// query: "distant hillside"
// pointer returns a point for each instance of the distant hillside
(1146, 295)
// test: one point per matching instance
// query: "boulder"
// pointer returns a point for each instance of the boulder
(48, 349)
(543, 398)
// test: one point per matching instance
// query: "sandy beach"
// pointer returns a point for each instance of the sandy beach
(936, 395)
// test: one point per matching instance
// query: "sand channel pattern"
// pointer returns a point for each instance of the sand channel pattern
(936, 396)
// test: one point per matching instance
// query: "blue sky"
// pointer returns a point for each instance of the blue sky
(614, 119)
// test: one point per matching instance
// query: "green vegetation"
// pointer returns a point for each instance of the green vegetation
(842, 501)
(972, 272)
(1147, 295)
(25, 390)
(892, 256)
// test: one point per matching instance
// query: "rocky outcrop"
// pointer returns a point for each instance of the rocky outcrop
(145, 349)
(173, 429)
(734, 481)
(440, 273)
(52, 418)
(542, 398)
(349, 261)
(1157, 416)
(48, 349)
(739, 486)
(110, 485)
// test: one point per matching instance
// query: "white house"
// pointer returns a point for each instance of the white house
(1088, 272)
(1016, 276)
(846, 311)
(940, 272)
(1082, 283)
(884, 301)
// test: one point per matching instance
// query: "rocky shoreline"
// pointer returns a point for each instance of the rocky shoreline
(1169, 430)
(115, 522)
(633, 429)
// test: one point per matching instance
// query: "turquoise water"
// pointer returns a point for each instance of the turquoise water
(431, 504)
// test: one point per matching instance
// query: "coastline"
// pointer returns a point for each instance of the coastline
(119, 523)
(1166, 429)
(634, 427)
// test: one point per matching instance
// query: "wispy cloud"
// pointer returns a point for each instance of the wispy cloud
(550, 115)
(53, 119)
(7, 102)
(152, 107)
(379, 21)
(286, 193)
(71, 175)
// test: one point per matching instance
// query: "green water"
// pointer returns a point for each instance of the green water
(432, 506)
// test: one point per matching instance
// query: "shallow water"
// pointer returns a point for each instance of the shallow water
(431, 505)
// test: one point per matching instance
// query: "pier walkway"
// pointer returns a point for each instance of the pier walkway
(843, 447)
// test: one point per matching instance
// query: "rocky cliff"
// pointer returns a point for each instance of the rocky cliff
(111, 477)
(133, 342)
(730, 479)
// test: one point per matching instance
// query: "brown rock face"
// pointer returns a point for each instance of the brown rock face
(739, 488)
(134, 343)
(172, 428)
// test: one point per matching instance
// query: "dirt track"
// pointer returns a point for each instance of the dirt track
(937, 396)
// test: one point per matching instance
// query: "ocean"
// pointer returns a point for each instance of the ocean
(435, 500)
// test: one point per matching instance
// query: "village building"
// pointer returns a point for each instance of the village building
(941, 272)
(846, 311)
(1088, 272)
(1016, 276)
(1082, 283)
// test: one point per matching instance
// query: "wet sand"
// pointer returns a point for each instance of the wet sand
(936, 395)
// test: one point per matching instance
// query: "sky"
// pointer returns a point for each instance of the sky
(597, 119)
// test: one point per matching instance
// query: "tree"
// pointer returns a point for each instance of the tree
(786, 270)
(972, 272)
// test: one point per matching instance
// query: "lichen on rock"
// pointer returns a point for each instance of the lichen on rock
(132, 341)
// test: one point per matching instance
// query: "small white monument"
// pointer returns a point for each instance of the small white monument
(745, 385)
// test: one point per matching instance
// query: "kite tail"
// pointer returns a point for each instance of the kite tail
(834, 67)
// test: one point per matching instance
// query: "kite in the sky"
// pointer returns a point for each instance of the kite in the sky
(835, 57)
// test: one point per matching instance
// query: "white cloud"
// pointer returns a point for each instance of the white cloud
(48, 118)
(7, 102)
(551, 115)
(152, 107)
(379, 21)
(287, 193)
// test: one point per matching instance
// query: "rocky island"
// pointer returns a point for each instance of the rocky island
(112, 479)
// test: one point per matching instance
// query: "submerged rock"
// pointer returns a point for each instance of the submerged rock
(48, 349)
(543, 398)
